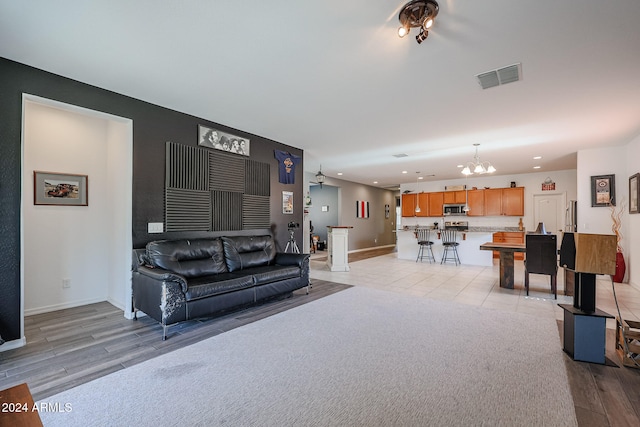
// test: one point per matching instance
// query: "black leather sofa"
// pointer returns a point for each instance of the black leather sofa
(177, 280)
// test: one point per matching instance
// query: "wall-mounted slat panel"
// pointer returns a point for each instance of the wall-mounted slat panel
(255, 212)
(226, 210)
(226, 172)
(187, 167)
(187, 210)
(256, 180)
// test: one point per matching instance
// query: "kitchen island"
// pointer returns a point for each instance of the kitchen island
(468, 250)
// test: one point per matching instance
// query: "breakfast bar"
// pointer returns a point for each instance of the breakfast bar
(506, 251)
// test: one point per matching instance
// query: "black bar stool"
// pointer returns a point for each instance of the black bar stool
(450, 245)
(423, 236)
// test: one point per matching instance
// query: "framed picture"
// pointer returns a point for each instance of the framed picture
(213, 138)
(287, 202)
(61, 189)
(634, 193)
(603, 190)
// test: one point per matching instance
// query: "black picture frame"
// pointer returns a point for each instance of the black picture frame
(603, 190)
(218, 140)
(634, 193)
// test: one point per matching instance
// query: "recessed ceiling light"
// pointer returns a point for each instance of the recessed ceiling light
(460, 166)
(536, 167)
(375, 182)
(405, 172)
(537, 157)
(339, 173)
(420, 177)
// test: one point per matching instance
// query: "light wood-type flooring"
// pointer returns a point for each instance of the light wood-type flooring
(70, 347)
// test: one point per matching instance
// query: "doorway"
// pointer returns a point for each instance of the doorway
(76, 255)
(550, 209)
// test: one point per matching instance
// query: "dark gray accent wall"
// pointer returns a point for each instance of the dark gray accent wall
(153, 126)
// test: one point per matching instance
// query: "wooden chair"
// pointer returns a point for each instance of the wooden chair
(423, 236)
(450, 245)
(541, 258)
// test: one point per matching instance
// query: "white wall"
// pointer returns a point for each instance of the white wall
(632, 246)
(597, 220)
(85, 244)
(532, 182)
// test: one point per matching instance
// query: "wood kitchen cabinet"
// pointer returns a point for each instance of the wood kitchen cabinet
(509, 237)
(493, 201)
(408, 205)
(410, 201)
(513, 201)
(457, 197)
(504, 201)
(476, 203)
(436, 200)
(423, 202)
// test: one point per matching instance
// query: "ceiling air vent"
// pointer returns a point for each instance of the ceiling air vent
(400, 155)
(500, 76)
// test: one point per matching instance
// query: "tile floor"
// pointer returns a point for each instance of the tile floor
(475, 285)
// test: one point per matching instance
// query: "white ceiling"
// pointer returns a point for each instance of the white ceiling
(333, 78)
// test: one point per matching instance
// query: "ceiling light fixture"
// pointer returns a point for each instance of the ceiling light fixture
(418, 14)
(477, 166)
(320, 177)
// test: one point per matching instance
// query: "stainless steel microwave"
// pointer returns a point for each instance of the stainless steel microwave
(457, 209)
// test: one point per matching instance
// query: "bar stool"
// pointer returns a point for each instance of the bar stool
(423, 236)
(450, 245)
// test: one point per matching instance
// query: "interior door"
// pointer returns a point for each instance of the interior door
(549, 209)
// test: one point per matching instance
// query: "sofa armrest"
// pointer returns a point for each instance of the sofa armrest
(299, 260)
(162, 275)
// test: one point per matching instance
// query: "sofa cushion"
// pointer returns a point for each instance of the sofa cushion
(206, 286)
(273, 273)
(248, 251)
(190, 258)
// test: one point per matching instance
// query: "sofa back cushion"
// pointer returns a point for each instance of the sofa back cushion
(248, 251)
(190, 258)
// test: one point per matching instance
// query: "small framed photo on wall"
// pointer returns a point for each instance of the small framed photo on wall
(287, 202)
(60, 189)
(634, 193)
(603, 190)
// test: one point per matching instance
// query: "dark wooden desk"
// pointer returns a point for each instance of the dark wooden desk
(18, 404)
(506, 251)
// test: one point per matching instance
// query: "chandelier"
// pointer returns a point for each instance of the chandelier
(418, 13)
(477, 166)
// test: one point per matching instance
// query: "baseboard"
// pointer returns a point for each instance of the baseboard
(372, 248)
(62, 306)
(10, 345)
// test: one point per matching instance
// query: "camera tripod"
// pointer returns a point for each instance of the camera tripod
(292, 242)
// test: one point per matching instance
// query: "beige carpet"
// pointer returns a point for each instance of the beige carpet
(361, 357)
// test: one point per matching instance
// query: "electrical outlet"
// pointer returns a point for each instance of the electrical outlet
(66, 283)
(155, 227)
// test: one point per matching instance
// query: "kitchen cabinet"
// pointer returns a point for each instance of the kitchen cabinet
(509, 237)
(436, 200)
(504, 201)
(493, 201)
(476, 203)
(513, 201)
(455, 197)
(423, 202)
(487, 202)
(408, 205)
